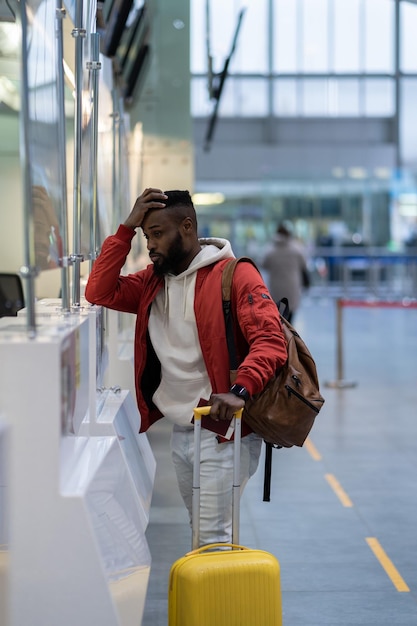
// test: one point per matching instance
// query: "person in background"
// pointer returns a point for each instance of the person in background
(287, 267)
(181, 355)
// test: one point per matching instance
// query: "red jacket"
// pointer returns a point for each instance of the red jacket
(260, 341)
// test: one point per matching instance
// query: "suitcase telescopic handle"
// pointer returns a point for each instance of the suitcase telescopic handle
(198, 413)
(230, 546)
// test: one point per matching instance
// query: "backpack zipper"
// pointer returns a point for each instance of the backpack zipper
(300, 397)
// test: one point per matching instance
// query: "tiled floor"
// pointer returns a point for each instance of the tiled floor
(357, 479)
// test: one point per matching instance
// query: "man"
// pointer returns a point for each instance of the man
(181, 357)
(287, 267)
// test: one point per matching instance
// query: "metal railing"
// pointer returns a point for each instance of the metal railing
(372, 271)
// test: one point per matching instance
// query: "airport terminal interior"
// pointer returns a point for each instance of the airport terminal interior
(268, 112)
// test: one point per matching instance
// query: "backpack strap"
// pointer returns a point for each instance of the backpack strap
(227, 279)
(227, 276)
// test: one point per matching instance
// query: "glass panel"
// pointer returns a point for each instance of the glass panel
(379, 97)
(379, 36)
(315, 97)
(241, 97)
(88, 159)
(284, 39)
(251, 54)
(408, 127)
(222, 26)
(105, 161)
(200, 101)
(251, 97)
(43, 133)
(347, 91)
(346, 36)
(222, 20)
(408, 39)
(315, 36)
(244, 97)
(285, 97)
(198, 47)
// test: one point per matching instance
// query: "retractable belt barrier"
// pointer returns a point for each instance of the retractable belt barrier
(406, 303)
(341, 303)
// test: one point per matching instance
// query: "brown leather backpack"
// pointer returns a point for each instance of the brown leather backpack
(283, 413)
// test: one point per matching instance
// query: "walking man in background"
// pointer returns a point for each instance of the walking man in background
(288, 273)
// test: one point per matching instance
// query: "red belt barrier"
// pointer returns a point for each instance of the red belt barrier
(383, 304)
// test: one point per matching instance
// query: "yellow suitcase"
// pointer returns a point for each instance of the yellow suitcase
(223, 584)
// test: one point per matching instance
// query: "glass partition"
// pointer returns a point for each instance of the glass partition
(42, 144)
(43, 134)
(49, 94)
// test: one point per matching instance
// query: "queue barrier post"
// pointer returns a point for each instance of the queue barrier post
(340, 382)
(405, 303)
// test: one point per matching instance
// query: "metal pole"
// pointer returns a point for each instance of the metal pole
(339, 383)
(79, 34)
(195, 513)
(28, 271)
(236, 478)
(115, 171)
(94, 66)
(120, 163)
(60, 15)
(397, 112)
(339, 343)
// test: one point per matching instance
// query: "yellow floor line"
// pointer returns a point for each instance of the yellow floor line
(389, 567)
(314, 453)
(339, 491)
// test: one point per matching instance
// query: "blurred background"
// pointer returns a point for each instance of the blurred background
(267, 111)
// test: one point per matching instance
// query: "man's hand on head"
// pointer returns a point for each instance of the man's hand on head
(150, 199)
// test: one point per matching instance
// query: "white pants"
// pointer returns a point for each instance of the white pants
(216, 478)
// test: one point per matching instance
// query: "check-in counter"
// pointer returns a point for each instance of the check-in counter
(76, 482)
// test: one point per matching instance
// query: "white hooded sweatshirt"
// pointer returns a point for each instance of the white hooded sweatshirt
(173, 333)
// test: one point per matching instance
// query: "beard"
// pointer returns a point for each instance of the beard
(175, 255)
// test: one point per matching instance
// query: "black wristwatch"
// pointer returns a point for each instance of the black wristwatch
(240, 392)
